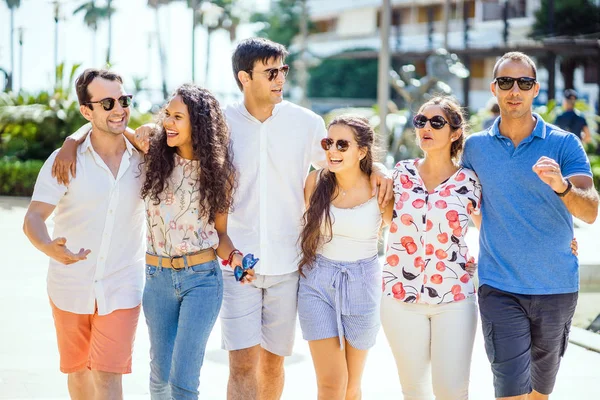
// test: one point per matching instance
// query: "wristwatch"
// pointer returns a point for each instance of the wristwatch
(567, 190)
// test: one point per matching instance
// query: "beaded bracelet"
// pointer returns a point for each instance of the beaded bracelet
(233, 253)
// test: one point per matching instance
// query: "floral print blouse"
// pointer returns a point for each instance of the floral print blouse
(174, 227)
(426, 252)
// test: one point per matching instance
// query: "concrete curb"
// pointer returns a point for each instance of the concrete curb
(584, 338)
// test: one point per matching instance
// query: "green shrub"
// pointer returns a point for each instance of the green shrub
(17, 178)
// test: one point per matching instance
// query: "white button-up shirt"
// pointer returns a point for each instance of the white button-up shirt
(106, 215)
(273, 159)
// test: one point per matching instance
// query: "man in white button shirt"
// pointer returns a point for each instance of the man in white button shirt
(274, 144)
(95, 292)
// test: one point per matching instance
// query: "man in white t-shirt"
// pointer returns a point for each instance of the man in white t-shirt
(275, 143)
(95, 292)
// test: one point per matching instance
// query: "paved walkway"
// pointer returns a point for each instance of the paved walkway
(29, 359)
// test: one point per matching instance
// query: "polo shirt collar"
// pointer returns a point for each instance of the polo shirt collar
(539, 129)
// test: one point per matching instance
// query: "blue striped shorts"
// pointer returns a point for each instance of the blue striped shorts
(341, 299)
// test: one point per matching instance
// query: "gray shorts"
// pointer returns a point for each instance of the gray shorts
(263, 312)
(525, 338)
(341, 299)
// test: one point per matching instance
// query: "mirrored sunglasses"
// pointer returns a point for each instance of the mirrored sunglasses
(273, 72)
(248, 262)
(341, 144)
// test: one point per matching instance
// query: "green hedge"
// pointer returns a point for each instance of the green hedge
(17, 178)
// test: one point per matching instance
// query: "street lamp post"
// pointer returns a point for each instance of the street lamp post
(383, 81)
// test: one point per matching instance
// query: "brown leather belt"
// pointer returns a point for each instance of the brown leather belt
(178, 262)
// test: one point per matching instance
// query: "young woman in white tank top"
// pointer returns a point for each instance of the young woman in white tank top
(340, 286)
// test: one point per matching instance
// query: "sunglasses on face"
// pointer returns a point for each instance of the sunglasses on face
(506, 82)
(436, 122)
(272, 73)
(341, 144)
(109, 103)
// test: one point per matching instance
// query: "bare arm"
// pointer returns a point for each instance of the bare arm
(226, 246)
(387, 213)
(587, 135)
(380, 179)
(581, 201)
(35, 228)
(309, 186)
(66, 159)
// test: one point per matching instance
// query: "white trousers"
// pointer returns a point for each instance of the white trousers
(432, 345)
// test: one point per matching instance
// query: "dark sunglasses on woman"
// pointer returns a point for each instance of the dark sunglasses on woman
(109, 103)
(341, 144)
(436, 122)
(273, 72)
(506, 82)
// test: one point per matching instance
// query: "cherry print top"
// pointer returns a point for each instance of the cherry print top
(426, 252)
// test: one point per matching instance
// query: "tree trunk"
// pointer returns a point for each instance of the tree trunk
(161, 55)
(209, 33)
(12, 48)
(94, 46)
(109, 5)
(567, 68)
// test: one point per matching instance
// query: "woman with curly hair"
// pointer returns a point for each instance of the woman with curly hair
(340, 285)
(188, 181)
(189, 178)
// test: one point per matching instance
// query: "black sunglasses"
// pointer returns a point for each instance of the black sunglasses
(506, 82)
(109, 103)
(273, 72)
(341, 144)
(436, 122)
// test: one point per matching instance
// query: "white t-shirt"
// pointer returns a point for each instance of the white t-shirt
(103, 214)
(273, 159)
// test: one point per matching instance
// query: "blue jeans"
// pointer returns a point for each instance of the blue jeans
(181, 307)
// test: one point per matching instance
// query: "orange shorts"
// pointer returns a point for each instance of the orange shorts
(98, 342)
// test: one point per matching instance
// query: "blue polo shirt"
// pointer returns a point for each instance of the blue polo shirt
(526, 229)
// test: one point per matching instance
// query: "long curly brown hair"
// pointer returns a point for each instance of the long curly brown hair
(318, 214)
(212, 147)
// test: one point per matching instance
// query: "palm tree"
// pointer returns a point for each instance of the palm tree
(214, 15)
(12, 6)
(109, 10)
(92, 14)
(161, 53)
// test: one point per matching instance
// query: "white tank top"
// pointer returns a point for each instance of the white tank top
(355, 232)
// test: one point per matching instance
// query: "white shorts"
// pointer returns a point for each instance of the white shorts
(263, 312)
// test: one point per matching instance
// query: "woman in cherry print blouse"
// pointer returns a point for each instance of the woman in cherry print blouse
(428, 310)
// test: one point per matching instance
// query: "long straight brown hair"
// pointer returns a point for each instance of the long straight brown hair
(317, 214)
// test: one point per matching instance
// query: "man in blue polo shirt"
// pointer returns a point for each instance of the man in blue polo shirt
(535, 177)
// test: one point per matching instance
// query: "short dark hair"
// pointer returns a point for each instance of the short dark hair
(83, 81)
(571, 94)
(515, 56)
(255, 49)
